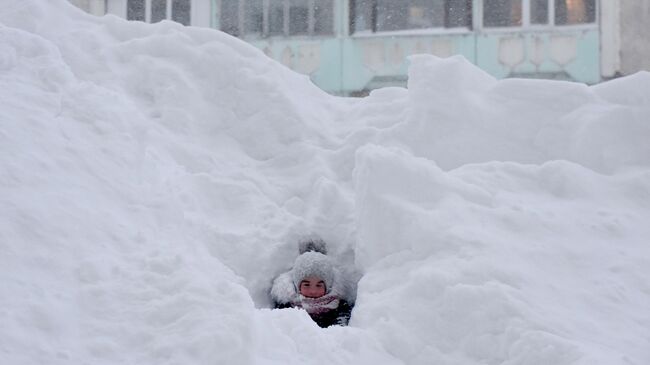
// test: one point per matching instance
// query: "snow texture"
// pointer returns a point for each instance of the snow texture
(155, 178)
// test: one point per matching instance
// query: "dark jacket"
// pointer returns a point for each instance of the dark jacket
(339, 316)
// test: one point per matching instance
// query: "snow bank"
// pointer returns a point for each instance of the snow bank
(155, 178)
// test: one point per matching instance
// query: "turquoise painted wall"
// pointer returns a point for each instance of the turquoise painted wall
(343, 64)
(556, 53)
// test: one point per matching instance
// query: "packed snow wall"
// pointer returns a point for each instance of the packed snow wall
(156, 178)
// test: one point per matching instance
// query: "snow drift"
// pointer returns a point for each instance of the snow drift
(154, 180)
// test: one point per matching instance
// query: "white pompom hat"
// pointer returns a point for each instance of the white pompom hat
(313, 264)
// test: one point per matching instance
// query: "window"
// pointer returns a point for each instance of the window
(181, 11)
(539, 11)
(391, 15)
(508, 13)
(502, 13)
(253, 17)
(135, 10)
(277, 17)
(458, 13)
(298, 17)
(158, 10)
(324, 17)
(568, 12)
(229, 17)
(176, 10)
(362, 15)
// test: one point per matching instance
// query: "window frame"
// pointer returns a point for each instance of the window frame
(168, 11)
(373, 32)
(128, 9)
(526, 19)
(286, 6)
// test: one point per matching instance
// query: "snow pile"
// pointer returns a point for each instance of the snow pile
(154, 180)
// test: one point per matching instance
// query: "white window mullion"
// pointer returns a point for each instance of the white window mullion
(310, 18)
(240, 16)
(286, 17)
(147, 11)
(525, 16)
(551, 12)
(168, 15)
(220, 7)
(478, 15)
(265, 18)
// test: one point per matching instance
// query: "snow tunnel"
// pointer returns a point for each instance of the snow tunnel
(155, 178)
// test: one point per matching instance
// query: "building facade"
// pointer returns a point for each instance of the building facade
(348, 47)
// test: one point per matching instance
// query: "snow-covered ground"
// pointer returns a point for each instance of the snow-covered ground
(154, 179)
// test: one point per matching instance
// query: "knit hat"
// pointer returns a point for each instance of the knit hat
(313, 264)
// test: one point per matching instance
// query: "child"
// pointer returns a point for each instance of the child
(312, 286)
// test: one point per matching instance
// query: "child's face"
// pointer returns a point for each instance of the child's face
(312, 287)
